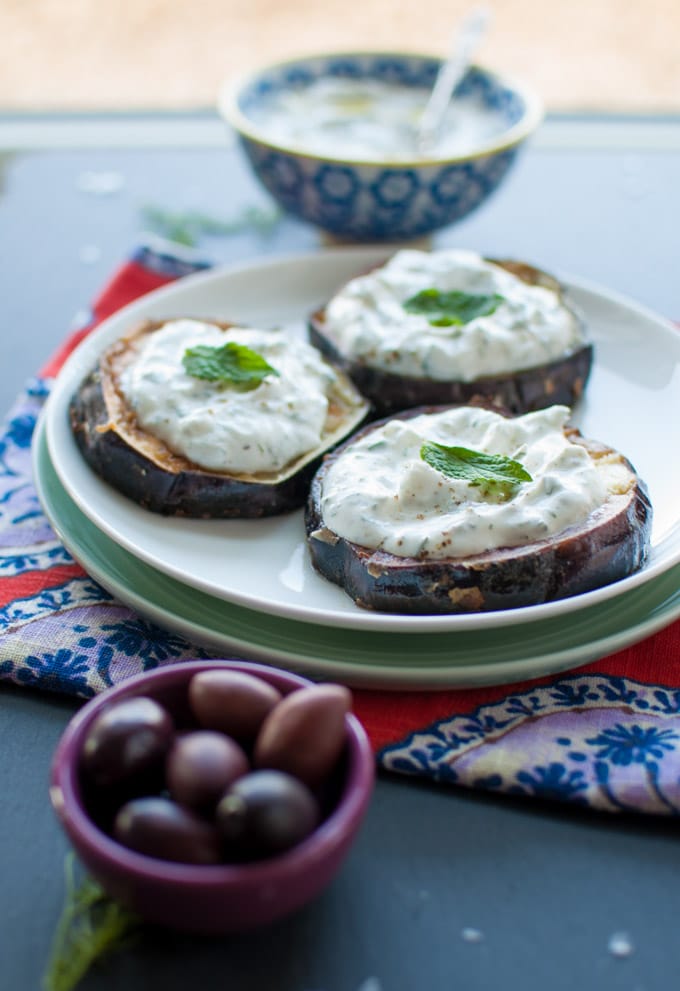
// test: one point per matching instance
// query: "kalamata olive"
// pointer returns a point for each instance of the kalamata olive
(305, 733)
(266, 812)
(159, 827)
(201, 765)
(233, 702)
(127, 741)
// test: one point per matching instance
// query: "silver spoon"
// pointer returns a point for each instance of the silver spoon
(450, 74)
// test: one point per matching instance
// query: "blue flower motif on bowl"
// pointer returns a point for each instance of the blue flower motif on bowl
(345, 69)
(391, 70)
(395, 188)
(282, 173)
(336, 183)
(298, 76)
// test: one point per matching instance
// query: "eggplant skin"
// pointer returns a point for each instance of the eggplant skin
(609, 545)
(106, 435)
(560, 382)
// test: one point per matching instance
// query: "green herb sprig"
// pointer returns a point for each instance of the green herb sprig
(91, 926)
(451, 309)
(493, 473)
(188, 227)
(232, 363)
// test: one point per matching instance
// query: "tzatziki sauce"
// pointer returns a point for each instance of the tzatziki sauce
(371, 120)
(221, 428)
(381, 494)
(369, 323)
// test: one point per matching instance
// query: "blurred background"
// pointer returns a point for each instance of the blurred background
(80, 55)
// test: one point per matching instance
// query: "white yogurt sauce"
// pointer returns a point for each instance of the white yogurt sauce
(367, 320)
(370, 120)
(219, 427)
(380, 493)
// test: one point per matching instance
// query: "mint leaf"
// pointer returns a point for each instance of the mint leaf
(448, 309)
(232, 363)
(492, 472)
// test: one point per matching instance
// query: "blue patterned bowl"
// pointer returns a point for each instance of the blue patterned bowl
(378, 200)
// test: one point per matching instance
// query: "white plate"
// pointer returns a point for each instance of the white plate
(360, 658)
(632, 403)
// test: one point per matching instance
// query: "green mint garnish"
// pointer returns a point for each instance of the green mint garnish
(449, 309)
(232, 363)
(494, 473)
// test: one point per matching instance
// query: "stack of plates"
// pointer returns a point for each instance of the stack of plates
(247, 588)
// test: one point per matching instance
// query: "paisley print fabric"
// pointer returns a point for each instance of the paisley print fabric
(596, 740)
(59, 630)
(607, 736)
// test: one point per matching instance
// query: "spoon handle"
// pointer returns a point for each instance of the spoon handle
(450, 74)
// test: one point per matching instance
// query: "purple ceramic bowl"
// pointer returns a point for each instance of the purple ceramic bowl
(215, 898)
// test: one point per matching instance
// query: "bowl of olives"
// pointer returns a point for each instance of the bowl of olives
(213, 796)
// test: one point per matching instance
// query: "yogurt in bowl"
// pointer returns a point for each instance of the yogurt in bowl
(333, 139)
(370, 119)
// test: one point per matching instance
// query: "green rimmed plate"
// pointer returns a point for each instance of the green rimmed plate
(633, 405)
(357, 657)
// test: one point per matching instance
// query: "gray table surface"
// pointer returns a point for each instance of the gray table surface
(546, 886)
